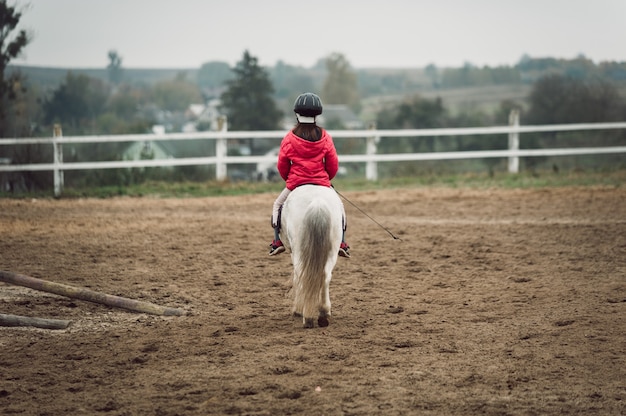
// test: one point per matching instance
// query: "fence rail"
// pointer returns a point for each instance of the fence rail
(372, 136)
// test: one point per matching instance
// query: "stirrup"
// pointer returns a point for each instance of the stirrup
(276, 247)
(344, 250)
(277, 250)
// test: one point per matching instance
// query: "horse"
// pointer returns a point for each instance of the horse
(311, 228)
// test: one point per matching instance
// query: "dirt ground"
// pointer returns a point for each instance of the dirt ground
(494, 302)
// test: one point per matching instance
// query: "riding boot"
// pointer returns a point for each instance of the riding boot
(344, 248)
(277, 246)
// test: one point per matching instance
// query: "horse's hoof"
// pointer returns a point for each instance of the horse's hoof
(308, 323)
(323, 321)
(297, 314)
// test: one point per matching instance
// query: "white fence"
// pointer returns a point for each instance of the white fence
(372, 137)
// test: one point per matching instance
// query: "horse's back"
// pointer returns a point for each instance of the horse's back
(304, 195)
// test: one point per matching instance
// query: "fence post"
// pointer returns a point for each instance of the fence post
(221, 149)
(57, 160)
(371, 168)
(514, 141)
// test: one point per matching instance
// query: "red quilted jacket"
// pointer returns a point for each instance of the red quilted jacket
(303, 162)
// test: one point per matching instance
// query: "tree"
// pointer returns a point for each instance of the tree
(340, 86)
(177, 94)
(213, 75)
(123, 113)
(248, 100)
(558, 99)
(432, 72)
(115, 68)
(10, 47)
(126, 101)
(76, 103)
(290, 81)
(413, 113)
(22, 113)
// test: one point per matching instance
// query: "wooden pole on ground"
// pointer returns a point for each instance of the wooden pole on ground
(88, 295)
(17, 320)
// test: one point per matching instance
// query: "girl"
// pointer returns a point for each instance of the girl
(307, 156)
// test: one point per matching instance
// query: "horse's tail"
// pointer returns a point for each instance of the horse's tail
(316, 246)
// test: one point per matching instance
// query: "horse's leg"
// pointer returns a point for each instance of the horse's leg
(308, 321)
(324, 314)
(322, 319)
(297, 304)
(297, 308)
(295, 289)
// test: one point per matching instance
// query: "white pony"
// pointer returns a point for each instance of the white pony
(311, 227)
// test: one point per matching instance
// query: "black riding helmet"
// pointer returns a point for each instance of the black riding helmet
(307, 107)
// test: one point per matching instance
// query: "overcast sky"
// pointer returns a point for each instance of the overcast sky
(387, 33)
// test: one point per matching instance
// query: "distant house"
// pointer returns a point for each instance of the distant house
(202, 115)
(194, 111)
(168, 149)
(187, 122)
(148, 150)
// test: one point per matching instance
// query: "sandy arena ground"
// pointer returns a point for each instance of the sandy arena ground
(494, 302)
